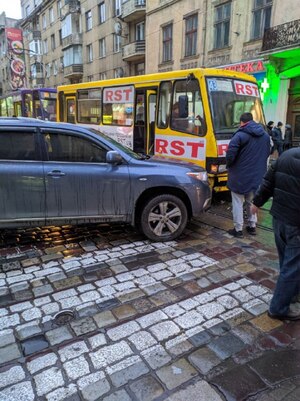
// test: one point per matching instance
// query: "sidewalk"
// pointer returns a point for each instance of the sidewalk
(184, 320)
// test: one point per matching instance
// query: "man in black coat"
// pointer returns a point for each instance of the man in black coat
(282, 182)
(277, 138)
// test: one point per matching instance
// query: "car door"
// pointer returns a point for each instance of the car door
(79, 183)
(22, 189)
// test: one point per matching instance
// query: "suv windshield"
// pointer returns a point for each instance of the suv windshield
(229, 99)
(126, 150)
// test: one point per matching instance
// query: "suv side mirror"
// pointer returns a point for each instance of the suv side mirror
(113, 157)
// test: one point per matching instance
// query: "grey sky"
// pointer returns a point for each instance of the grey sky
(12, 8)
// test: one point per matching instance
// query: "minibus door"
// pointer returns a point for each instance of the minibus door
(70, 109)
(151, 110)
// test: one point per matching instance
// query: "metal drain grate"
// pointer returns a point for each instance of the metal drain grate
(64, 316)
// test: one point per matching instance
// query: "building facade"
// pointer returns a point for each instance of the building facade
(68, 41)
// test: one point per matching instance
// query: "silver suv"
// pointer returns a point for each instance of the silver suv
(60, 174)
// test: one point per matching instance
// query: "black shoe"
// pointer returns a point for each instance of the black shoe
(291, 315)
(235, 233)
(251, 230)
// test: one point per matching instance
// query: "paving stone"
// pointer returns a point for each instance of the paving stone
(34, 344)
(226, 345)
(211, 310)
(164, 330)
(15, 392)
(59, 335)
(189, 319)
(156, 356)
(164, 297)
(110, 303)
(204, 359)
(269, 366)
(220, 328)
(28, 330)
(9, 353)
(11, 376)
(42, 290)
(118, 396)
(128, 369)
(72, 351)
(83, 326)
(146, 389)
(176, 374)
(9, 321)
(123, 330)
(104, 319)
(68, 393)
(110, 354)
(265, 323)
(6, 337)
(152, 318)
(131, 296)
(97, 340)
(124, 311)
(76, 368)
(200, 391)
(201, 338)
(41, 362)
(48, 380)
(245, 383)
(142, 340)
(142, 305)
(178, 345)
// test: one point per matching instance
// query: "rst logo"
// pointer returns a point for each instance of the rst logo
(121, 94)
(246, 88)
(222, 147)
(180, 147)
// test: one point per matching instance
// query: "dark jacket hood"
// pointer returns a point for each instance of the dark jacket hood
(252, 128)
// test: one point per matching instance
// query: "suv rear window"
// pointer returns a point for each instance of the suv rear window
(17, 146)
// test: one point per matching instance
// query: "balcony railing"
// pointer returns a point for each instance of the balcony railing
(134, 51)
(34, 35)
(284, 35)
(73, 70)
(133, 9)
(73, 39)
(71, 6)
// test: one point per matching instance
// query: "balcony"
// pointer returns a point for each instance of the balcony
(133, 10)
(134, 51)
(70, 7)
(281, 37)
(73, 39)
(73, 71)
(34, 35)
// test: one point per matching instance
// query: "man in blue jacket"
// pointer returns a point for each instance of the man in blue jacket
(246, 161)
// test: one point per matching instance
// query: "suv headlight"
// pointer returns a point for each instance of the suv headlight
(200, 175)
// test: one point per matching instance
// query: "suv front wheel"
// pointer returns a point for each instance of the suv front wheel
(163, 218)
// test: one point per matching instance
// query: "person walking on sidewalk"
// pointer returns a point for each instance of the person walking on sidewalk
(246, 161)
(277, 138)
(282, 182)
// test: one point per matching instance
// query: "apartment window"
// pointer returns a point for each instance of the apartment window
(191, 26)
(44, 21)
(101, 8)
(89, 78)
(89, 52)
(167, 33)
(60, 36)
(45, 46)
(27, 11)
(51, 15)
(66, 26)
(48, 70)
(117, 43)
(222, 25)
(261, 17)
(118, 9)
(102, 48)
(88, 20)
(52, 42)
(59, 7)
(72, 55)
(140, 31)
(102, 76)
(55, 68)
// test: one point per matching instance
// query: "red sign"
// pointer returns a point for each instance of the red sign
(122, 94)
(180, 147)
(15, 53)
(249, 67)
(246, 88)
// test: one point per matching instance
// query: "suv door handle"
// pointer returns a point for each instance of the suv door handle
(56, 173)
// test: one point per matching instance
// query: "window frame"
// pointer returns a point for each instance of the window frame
(88, 20)
(89, 53)
(190, 36)
(102, 48)
(167, 43)
(262, 12)
(102, 12)
(224, 24)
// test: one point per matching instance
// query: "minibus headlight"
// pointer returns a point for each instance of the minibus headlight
(200, 175)
(217, 168)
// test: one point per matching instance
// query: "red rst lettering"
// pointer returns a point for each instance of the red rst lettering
(195, 147)
(118, 95)
(127, 94)
(249, 90)
(108, 96)
(161, 146)
(239, 88)
(177, 148)
(222, 149)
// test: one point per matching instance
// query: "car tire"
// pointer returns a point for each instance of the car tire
(163, 218)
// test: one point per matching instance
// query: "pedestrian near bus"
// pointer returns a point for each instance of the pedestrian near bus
(277, 138)
(282, 182)
(246, 161)
(269, 127)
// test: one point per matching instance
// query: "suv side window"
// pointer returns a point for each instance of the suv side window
(71, 148)
(17, 145)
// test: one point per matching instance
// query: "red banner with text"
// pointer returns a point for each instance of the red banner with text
(16, 55)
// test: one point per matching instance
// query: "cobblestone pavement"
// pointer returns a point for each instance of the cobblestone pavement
(100, 313)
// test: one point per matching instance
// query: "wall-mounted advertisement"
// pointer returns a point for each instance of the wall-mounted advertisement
(16, 55)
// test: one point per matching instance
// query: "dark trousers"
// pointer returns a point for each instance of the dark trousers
(287, 239)
(278, 146)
